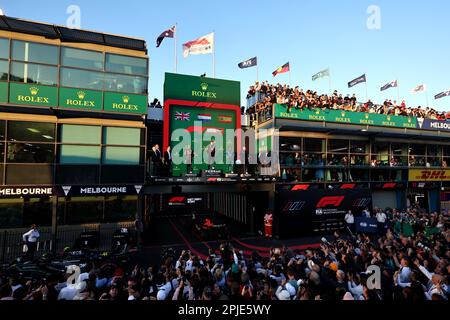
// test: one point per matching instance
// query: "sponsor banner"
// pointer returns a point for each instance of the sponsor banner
(3, 92)
(124, 102)
(436, 125)
(202, 89)
(80, 99)
(317, 211)
(366, 225)
(33, 95)
(347, 117)
(12, 192)
(99, 190)
(189, 201)
(424, 175)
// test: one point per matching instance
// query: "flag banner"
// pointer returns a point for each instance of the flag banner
(442, 95)
(170, 33)
(205, 130)
(321, 74)
(183, 116)
(248, 63)
(204, 117)
(285, 68)
(357, 81)
(202, 45)
(392, 84)
(225, 119)
(421, 88)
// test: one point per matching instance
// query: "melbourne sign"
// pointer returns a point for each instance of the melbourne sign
(316, 211)
(101, 190)
(201, 89)
(33, 95)
(122, 102)
(347, 117)
(436, 125)
(80, 99)
(425, 175)
(25, 191)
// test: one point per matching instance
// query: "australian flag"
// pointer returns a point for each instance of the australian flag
(357, 81)
(248, 63)
(392, 84)
(170, 33)
(442, 95)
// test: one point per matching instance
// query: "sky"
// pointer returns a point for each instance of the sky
(410, 43)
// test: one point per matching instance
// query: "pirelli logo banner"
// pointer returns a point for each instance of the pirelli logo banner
(425, 175)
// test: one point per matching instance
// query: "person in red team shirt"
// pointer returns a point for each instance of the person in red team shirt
(268, 219)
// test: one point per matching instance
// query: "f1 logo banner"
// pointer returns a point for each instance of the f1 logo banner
(304, 212)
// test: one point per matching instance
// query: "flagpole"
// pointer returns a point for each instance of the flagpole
(175, 49)
(367, 95)
(214, 55)
(257, 71)
(329, 82)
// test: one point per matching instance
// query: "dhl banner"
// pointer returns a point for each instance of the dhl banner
(419, 175)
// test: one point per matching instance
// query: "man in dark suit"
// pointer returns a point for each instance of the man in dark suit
(211, 150)
(168, 161)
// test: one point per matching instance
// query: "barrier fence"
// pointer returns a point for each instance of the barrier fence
(11, 242)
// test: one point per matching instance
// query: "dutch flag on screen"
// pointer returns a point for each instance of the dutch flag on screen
(204, 117)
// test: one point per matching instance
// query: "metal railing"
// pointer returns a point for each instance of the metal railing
(11, 244)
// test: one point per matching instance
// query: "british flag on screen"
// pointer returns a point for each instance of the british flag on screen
(183, 116)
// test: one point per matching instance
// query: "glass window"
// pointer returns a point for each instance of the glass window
(338, 146)
(417, 149)
(122, 136)
(4, 70)
(37, 211)
(82, 210)
(31, 131)
(80, 134)
(34, 73)
(30, 153)
(81, 58)
(2, 129)
(34, 52)
(125, 64)
(79, 154)
(121, 155)
(399, 149)
(11, 213)
(446, 151)
(4, 48)
(359, 147)
(81, 79)
(127, 84)
(121, 208)
(314, 145)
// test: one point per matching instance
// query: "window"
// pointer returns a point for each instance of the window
(81, 210)
(127, 84)
(4, 66)
(34, 52)
(338, 146)
(80, 134)
(4, 48)
(11, 213)
(81, 79)
(81, 58)
(122, 136)
(359, 147)
(120, 208)
(31, 131)
(79, 154)
(34, 73)
(314, 145)
(125, 64)
(122, 155)
(30, 153)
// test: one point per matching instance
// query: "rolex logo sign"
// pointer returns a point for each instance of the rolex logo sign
(81, 95)
(204, 92)
(30, 96)
(125, 104)
(34, 91)
(126, 99)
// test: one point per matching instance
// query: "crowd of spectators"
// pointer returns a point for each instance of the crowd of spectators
(414, 267)
(297, 98)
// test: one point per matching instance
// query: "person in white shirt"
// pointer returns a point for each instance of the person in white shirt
(381, 221)
(366, 213)
(350, 220)
(31, 239)
(402, 277)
